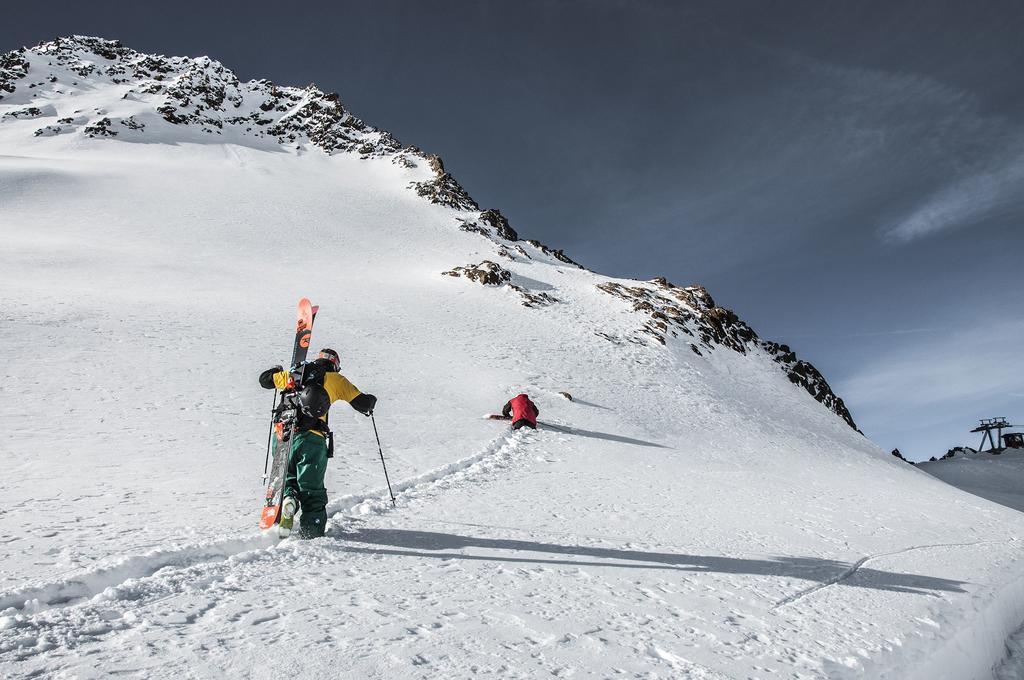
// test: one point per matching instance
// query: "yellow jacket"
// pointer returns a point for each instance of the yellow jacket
(338, 388)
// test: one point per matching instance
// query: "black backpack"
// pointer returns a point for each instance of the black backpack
(314, 402)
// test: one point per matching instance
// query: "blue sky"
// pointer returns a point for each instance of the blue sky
(848, 177)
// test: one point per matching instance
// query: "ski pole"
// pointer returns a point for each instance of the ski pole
(270, 436)
(381, 451)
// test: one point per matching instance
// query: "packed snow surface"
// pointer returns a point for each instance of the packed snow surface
(686, 515)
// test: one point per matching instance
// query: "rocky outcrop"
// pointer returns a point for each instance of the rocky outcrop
(805, 375)
(205, 95)
(495, 226)
(492, 224)
(962, 450)
(486, 273)
(13, 67)
(30, 112)
(444, 189)
(132, 124)
(690, 311)
(100, 128)
(499, 223)
(489, 273)
(897, 454)
(557, 254)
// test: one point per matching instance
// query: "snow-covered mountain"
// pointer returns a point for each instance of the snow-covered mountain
(132, 95)
(703, 507)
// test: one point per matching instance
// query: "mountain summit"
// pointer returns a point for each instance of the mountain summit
(86, 87)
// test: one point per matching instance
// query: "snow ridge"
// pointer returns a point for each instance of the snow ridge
(200, 93)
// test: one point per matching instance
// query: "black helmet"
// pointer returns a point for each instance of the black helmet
(331, 356)
(314, 401)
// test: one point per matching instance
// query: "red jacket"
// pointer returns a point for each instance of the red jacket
(521, 408)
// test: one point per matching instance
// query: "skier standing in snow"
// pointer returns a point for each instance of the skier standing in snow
(322, 385)
(521, 411)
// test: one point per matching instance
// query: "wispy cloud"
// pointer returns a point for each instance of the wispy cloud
(969, 200)
(971, 364)
(870, 334)
(930, 134)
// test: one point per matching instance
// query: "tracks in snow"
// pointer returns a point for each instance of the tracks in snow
(85, 585)
(499, 453)
(39, 618)
(864, 560)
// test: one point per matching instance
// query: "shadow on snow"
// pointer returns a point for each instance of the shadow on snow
(599, 435)
(409, 543)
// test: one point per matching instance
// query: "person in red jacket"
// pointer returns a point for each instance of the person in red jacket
(521, 411)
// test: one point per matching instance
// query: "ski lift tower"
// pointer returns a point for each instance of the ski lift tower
(986, 427)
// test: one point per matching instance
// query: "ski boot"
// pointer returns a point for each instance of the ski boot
(288, 508)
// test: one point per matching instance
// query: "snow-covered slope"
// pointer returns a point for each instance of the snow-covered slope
(997, 477)
(694, 512)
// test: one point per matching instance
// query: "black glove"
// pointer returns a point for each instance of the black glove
(365, 404)
(267, 377)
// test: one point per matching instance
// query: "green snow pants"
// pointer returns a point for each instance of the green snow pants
(305, 481)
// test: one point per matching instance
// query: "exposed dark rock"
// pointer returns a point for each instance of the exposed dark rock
(50, 131)
(557, 254)
(446, 191)
(487, 273)
(533, 298)
(404, 160)
(13, 66)
(494, 225)
(499, 223)
(132, 124)
(490, 223)
(566, 395)
(896, 452)
(205, 94)
(31, 112)
(170, 114)
(493, 274)
(672, 310)
(100, 128)
(436, 164)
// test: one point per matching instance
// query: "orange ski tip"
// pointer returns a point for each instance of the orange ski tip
(268, 517)
(304, 315)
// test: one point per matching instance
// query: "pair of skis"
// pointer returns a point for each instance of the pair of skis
(282, 426)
